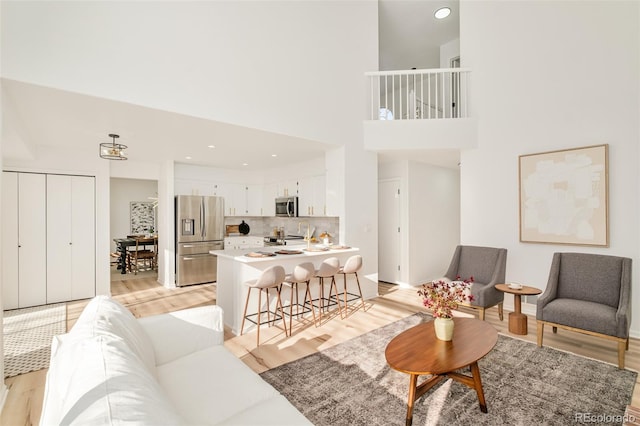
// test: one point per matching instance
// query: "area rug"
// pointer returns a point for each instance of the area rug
(351, 384)
(27, 337)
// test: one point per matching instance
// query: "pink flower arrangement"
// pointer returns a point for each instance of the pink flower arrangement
(442, 297)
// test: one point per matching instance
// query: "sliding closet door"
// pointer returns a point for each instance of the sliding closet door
(83, 237)
(32, 247)
(71, 265)
(59, 244)
(10, 277)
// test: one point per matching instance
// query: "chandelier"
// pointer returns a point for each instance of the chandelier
(113, 150)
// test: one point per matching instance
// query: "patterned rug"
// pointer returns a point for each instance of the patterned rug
(27, 337)
(351, 384)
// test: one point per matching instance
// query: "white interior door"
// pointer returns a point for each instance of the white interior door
(10, 277)
(389, 230)
(59, 221)
(83, 238)
(32, 231)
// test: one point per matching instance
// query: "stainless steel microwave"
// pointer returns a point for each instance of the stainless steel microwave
(287, 206)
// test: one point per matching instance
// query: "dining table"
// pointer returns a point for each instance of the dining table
(122, 245)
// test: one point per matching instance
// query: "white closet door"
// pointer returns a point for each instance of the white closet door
(32, 231)
(83, 237)
(59, 255)
(10, 277)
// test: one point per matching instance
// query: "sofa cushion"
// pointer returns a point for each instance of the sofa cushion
(582, 314)
(212, 385)
(105, 316)
(99, 380)
(275, 411)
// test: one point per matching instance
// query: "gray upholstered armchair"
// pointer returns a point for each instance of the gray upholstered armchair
(590, 294)
(487, 265)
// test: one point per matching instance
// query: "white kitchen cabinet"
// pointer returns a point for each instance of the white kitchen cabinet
(239, 243)
(312, 196)
(25, 253)
(288, 188)
(269, 194)
(70, 238)
(253, 200)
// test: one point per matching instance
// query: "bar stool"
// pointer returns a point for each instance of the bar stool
(351, 266)
(328, 269)
(271, 278)
(302, 273)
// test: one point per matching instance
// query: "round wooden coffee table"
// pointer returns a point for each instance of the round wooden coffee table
(518, 320)
(417, 351)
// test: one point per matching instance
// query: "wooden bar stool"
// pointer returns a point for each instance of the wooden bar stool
(271, 278)
(328, 269)
(302, 273)
(351, 266)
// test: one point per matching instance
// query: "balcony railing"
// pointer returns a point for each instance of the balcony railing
(419, 94)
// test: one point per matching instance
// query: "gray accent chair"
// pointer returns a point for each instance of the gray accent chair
(590, 294)
(487, 265)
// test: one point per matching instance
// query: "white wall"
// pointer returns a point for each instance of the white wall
(548, 76)
(429, 218)
(288, 67)
(3, 388)
(123, 191)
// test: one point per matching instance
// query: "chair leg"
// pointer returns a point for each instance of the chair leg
(334, 286)
(244, 315)
(279, 303)
(259, 309)
(554, 329)
(360, 291)
(540, 332)
(501, 311)
(621, 349)
(307, 293)
(291, 304)
(481, 314)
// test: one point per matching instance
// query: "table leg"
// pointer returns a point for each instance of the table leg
(517, 320)
(413, 381)
(475, 372)
(123, 259)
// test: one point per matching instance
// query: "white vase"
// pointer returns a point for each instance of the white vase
(444, 328)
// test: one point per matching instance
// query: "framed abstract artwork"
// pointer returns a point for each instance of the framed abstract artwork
(143, 217)
(564, 196)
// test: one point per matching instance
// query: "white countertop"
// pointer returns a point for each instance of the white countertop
(239, 255)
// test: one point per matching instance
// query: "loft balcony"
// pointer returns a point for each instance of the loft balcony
(419, 109)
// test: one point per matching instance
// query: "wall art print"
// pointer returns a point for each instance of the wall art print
(564, 196)
(143, 217)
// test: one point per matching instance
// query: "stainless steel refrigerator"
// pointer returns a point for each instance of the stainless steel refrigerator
(199, 228)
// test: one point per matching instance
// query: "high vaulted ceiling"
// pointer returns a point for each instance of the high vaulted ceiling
(409, 37)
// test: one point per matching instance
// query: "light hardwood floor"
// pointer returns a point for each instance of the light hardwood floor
(143, 296)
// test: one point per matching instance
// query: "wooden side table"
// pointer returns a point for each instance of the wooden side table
(518, 320)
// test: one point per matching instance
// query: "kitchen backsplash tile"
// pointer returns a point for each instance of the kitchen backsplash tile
(263, 226)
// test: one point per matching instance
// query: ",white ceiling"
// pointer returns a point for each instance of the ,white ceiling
(409, 36)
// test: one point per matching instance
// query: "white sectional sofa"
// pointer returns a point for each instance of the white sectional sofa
(169, 369)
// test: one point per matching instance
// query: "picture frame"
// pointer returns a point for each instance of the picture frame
(564, 196)
(142, 217)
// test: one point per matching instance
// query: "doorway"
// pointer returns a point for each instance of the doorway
(389, 230)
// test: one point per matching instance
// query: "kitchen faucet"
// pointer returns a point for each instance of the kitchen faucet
(307, 237)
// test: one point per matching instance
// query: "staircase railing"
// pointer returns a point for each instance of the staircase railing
(419, 94)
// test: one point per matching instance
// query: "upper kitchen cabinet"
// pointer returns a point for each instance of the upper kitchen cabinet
(269, 195)
(288, 188)
(240, 199)
(312, 196)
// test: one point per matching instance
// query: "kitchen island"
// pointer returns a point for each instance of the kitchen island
(235, 268)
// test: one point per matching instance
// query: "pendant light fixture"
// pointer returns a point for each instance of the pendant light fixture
(113, 150)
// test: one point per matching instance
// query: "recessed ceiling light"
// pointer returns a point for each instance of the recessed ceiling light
(442, 13)
(187, 157)
(245, 164)
(211, 146)
(274, 155)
